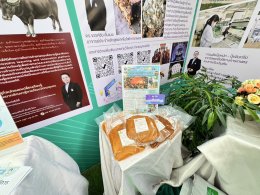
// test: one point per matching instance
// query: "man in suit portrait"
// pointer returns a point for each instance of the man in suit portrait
(71, 92)
(194, 64)
(96, 14)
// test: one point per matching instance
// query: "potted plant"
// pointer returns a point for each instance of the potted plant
(210, 102)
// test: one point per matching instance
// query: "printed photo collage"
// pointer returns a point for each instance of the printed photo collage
(228, 24)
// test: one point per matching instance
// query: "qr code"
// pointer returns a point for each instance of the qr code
(103, 66)
(143, 57)
(123, 59)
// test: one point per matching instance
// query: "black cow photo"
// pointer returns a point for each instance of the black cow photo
(29, 10)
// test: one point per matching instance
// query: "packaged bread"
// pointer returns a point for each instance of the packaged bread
(122, 146)
(165, 128)
(142, 129)
(112, 120)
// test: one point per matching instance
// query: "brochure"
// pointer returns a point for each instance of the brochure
(9, 133)
(11, 177)
(139, 81)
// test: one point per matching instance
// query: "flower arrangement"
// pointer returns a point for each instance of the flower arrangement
(248, 97)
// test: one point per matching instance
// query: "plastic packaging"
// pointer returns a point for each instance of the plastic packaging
(111, 118)
(177, 116)
(165, 128)
(142, 129)
(122, 146)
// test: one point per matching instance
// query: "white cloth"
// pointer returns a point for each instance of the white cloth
(207, 37)
(229, 162)
(141, 172)
(54, 171)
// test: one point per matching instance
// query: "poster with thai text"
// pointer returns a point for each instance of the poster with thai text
(128, 32)
(139, 81)
(41, 78)
(226, 39)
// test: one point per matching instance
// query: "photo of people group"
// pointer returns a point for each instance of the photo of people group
(221, 26)
(161, 55)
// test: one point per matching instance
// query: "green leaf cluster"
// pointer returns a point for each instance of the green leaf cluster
(209, 100)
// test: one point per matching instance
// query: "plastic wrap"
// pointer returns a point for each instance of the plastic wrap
(177, 116)
(169, 121)
(122, 146)
(142, 129)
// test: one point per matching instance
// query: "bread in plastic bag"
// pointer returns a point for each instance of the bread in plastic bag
(122, 146)
(142, 129)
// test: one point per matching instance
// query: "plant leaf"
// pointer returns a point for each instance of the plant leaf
(209, 97)
(221, 117)
(242, 113)
(252, 106)
(202, 108)
(234, 109)
(190, 104)
(205, 117)
(253, 114)
(211, 120)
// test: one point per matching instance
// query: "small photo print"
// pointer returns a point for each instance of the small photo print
(178, 52)
(175, 70)
(253, 39)
(153, 14)
(161, 55)
(127, 16)
(136, 83)
(223, 27)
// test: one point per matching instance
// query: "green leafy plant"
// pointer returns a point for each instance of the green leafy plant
(207, 99)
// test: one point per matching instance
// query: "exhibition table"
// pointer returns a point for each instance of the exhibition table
(53, 171)
(142, 172)
(230, 162)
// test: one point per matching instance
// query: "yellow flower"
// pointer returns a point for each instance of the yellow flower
(239, 101)
(257, 83)
(254, 99)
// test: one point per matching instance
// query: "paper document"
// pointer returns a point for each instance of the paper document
(11, 177)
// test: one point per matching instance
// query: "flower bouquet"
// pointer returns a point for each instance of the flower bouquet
(248, 98)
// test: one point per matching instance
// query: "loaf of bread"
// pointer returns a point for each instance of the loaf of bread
(122, 147)
(142, 129)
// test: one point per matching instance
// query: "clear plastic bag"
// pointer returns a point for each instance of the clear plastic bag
(122, 146)
(142, 129)
(111, 118)
(177, 116)
(170, 121)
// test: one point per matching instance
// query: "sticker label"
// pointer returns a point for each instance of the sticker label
(211, 191)
(159, 125)
(125, 141)
(155, 99)
(141, 125)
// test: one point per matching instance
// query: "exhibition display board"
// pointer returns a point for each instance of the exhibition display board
(225, 39)
(117, 33)
(41, 77)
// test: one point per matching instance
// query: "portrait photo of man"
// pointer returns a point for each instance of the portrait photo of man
(194, 64)
(71, 92)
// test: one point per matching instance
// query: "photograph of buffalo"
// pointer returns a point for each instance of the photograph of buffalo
(29, 10)
(96, 14)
